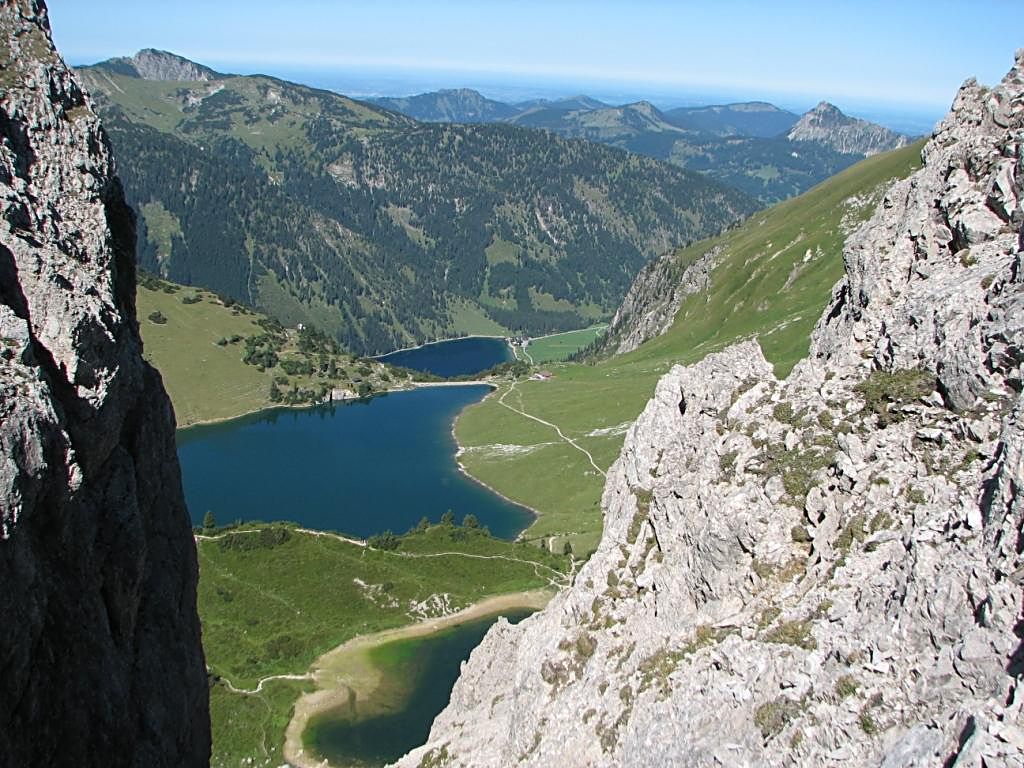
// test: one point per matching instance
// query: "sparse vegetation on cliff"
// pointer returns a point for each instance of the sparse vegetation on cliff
(771, 280)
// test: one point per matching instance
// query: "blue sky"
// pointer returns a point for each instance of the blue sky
(903, 55)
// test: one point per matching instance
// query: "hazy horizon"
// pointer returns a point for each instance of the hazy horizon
(403, 83)
(792, 54)
(367, 84)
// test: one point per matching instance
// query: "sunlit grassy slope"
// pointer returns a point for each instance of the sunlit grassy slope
(205, 381)
(771, 283)
(559, 346)
(199, 346)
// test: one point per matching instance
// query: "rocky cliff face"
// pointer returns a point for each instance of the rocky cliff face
(653, 300)
(151, 64)
(825, 570)
(827, 125)
(100, 655)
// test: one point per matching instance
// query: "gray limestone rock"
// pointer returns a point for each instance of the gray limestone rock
(654, 298)
(151, 64)
(827, 125)
(844, 588)
(100, 655)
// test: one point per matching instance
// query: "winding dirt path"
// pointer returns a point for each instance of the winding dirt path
(259, 685)
(569, 440)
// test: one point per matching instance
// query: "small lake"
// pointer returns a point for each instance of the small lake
(458, 357)
(417, 677)
(359, 467)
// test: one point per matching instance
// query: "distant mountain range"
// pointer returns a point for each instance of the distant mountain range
(461, 105)
(374, 227)
(767, 152)
(750, 118)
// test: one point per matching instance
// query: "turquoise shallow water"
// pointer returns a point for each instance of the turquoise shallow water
(429, 667)
(458, 357)
(359, 468)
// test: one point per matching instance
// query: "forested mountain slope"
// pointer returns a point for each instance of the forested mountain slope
(767, 152)
(378, 229)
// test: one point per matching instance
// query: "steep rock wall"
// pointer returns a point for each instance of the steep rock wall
(654, 298)
(825, 570)
(100, 655)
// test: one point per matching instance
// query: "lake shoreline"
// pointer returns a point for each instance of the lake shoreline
(303, 406)
(462, 468)
(459, 448)
(441, 341)
(420, 418)
(411, 386)
(333, 671)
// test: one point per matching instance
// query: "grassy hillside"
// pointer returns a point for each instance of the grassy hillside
(198, 341)
(559, 346)
(380, 230)
(772, 283)
(273, 598)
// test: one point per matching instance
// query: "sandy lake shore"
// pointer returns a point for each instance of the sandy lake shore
(343, 671)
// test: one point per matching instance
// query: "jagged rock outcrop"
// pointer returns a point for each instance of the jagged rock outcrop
(151, 64)
(827, 125)
(825, 570)
(100, 654)
(653, 300)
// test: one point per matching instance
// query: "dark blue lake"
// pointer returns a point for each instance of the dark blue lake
(361, 467)
(458, 357)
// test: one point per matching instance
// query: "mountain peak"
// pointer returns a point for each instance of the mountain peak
(645, 107)
(448, 105)
(828, 125)
(153, 64)
(827, 108)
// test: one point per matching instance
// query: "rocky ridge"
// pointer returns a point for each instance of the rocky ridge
(827, 125)
(824, 570)
(101, 657)
(151, 64)
(653, 300)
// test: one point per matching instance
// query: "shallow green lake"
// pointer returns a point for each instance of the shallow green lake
(417, 679)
